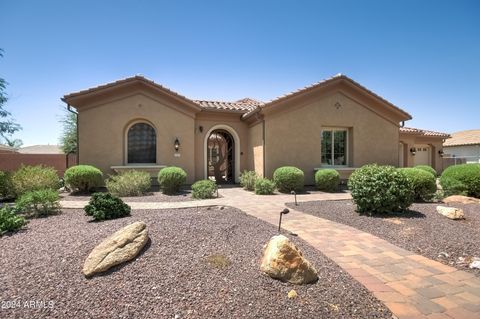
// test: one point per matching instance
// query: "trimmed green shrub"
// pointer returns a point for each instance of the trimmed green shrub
(6, 187)
(427, 168)
(104, 206)
(203, 189)
(30, 178)
(264, 186)
(380, 189)
(129, 183)
(288, 178)
(248, 179)
(327, 179)
(38, 203)
(9, 220)
(461, 179)
(423, 182)
(171, 179)
(83, 178)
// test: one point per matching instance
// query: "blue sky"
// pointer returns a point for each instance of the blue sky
(423, 56)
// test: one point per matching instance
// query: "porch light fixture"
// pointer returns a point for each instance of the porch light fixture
(440, 152)
(413, 151)
(283, 212)
(294, 194)
(176, 144)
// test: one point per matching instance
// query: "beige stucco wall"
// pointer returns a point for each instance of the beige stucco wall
(232, 123)
(102, 132)
(255, 148)
(293, 137)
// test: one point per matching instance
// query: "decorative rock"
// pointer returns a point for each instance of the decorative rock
(475, 264)
(292, 294)
(283, 260)
(451, 212)
(122, 246)
(461, 199)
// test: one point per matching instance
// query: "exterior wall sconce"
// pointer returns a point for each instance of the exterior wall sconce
(440, 152)
(413, 151)
(200, 128)
(176, 144)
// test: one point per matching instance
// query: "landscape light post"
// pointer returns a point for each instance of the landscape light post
(294, 194)
(283, 212)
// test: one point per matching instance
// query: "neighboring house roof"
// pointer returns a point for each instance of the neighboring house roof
(247, 105)
(6, 148)
(41, 149)
(417, 131)
(469, 137)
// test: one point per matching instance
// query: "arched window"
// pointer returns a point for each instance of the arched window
(142, 144)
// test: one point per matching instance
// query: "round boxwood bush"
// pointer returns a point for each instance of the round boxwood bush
(203, 189)
(31, 178)
(461, 179)
(380, 189)
(83, 178)
(289, 178)
(264, 186)
(171, 179)
(327, 179)
(129, 183)
(427, 168)
(106, 206)
(423, 182)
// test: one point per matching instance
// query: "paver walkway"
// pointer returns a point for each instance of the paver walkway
(410, 285)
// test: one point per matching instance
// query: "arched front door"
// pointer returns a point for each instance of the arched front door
(221, 157)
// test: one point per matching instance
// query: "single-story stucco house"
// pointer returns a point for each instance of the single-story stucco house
(336, 123)
(464, 145)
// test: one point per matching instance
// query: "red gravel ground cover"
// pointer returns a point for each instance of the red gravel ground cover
(172, 277)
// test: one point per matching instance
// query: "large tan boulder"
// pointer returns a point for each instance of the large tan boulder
(283, 260)
(461, 199)
(122, 246)
(451, 212)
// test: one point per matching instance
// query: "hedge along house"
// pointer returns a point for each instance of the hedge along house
(335, 123)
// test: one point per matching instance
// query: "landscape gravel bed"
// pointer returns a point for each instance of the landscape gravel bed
(421, 230)
(171, 278)
(154, 196)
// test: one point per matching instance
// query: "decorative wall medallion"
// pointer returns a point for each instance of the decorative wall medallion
(337, 105)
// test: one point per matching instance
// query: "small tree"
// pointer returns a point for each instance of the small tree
(8, 126)
(68, 138)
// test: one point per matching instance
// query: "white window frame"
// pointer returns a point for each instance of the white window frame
(333, 130)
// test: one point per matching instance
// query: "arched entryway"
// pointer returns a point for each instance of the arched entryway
(221, 157)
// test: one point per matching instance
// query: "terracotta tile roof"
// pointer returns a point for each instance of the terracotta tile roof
(324, 82)
(469, 137)
(124, 81)
(41, 149)
(246, 104)
(417, 131)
